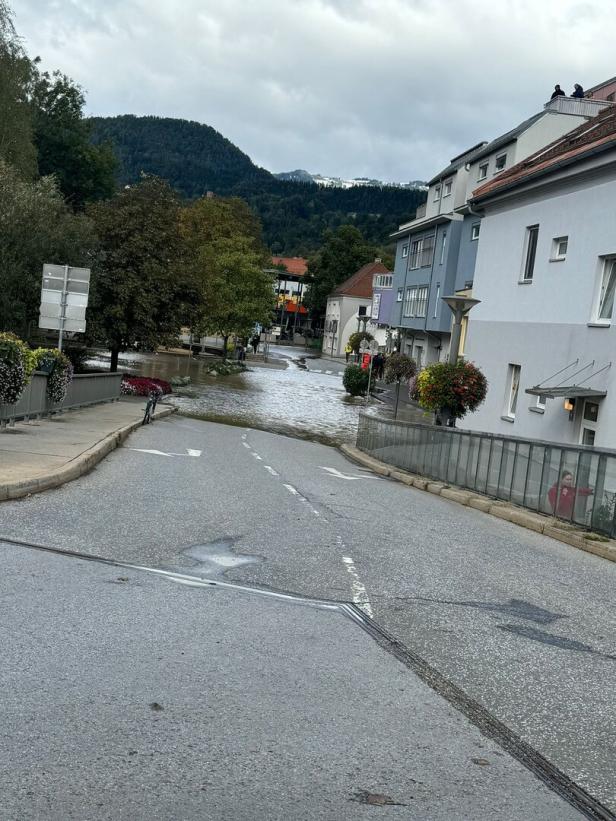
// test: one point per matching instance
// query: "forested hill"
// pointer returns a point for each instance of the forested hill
(195, 159)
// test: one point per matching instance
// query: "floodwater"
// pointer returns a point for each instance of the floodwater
(290, 400)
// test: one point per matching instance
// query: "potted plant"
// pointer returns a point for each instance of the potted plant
(450, 390)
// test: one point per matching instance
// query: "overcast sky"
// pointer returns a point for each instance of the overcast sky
(390, 89)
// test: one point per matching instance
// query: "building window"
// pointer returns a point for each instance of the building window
(559, 248)
(483, 172)
(405, 251)
(415, 253)
(512, 390)
(443, 244)
(383, 281)
(532, 234)
(475, 231)
(438, 293)
(421, 307)
(541, 400)
(605, 306)
(399, 297)
(500, 163)
(447, 189)
(408, 302)
(437, 193)
(427, 251)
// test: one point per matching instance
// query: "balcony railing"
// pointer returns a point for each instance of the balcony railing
(582, 106)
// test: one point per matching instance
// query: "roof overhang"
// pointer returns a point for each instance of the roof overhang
(568, 391)
(420, 225)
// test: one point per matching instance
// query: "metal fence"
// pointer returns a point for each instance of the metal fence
(526, 472)
(84, 389)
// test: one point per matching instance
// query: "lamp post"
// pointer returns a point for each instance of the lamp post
(460, 306)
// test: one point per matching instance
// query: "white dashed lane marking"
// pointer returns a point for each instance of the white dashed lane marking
(360, 594)
(271, 470)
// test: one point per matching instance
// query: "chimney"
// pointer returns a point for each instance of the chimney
(377, 259)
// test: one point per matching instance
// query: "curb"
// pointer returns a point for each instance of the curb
(76, 467)
(503, 510)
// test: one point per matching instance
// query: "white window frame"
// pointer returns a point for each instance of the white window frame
(443, 245)
(408, 302)
(529, 258)
(416, 249)
(421, 307)
(541, 401)
(512, 390)
(558, 255)
(482, 171)
(475, 231)
(438, 293)
(400, 295)
(447, 188)
(498, 159)
(607, 274)
(427, 251)
(437, 193)
(405, 251)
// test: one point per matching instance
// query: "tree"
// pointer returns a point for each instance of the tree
(16, 71)
(228, 259)
(144, 289)
(357, 338)
(36, 227)
(85, 172)
(343, 252)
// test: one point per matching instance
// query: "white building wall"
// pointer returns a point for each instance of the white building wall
(544, 326)
(344, 309)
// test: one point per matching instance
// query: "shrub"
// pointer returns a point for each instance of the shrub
(143, 386)
(398, 367)
(459, 387)
(355, 380)
(355, 339)
(13, 363)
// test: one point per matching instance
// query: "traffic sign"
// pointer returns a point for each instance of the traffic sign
(64, 299)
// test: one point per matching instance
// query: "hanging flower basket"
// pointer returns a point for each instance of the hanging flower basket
(13, 375)
(451, 390)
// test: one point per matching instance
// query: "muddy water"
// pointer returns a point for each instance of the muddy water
(289, 400)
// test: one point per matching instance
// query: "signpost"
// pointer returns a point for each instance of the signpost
(64, 299)
(368, 350)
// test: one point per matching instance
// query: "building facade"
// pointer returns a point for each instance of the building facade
(436, 252)
(349, 308)
(544, 333)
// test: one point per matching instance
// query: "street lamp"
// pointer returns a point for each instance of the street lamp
(460, 306)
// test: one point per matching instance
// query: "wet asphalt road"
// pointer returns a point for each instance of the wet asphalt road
(521, 623)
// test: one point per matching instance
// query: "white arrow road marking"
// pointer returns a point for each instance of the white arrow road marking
(189, 452)
(340, 475)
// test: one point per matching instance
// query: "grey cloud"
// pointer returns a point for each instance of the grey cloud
(390, 89)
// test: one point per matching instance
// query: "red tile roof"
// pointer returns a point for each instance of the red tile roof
(294, 265)
(595, 134)
(360, 284)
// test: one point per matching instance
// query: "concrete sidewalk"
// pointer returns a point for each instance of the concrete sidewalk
(36, 456)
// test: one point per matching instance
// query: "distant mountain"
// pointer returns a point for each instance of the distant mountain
(341, 182)
(196, 158)
(295, 176)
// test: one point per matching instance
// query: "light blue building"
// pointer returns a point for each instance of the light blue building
(436, 252)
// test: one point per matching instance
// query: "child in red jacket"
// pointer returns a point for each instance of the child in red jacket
(562, 495)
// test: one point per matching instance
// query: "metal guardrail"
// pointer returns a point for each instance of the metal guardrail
(84, 389)
(526, 472)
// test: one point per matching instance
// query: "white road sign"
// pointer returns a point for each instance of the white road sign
(64, 299)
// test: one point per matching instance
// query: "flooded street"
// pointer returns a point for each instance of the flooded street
(290, 400)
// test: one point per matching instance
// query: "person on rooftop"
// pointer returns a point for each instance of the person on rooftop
(578, 91)
(558, 92)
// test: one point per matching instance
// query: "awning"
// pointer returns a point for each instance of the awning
(569, 391)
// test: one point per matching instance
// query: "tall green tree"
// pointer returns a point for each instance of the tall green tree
(16, 73)
(36, 227)
(343, 252)
(228, 258)
(85, 172)
(144, 289)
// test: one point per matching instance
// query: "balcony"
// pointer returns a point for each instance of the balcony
(582, 106)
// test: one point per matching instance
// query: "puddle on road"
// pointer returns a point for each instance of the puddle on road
(212, 559)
